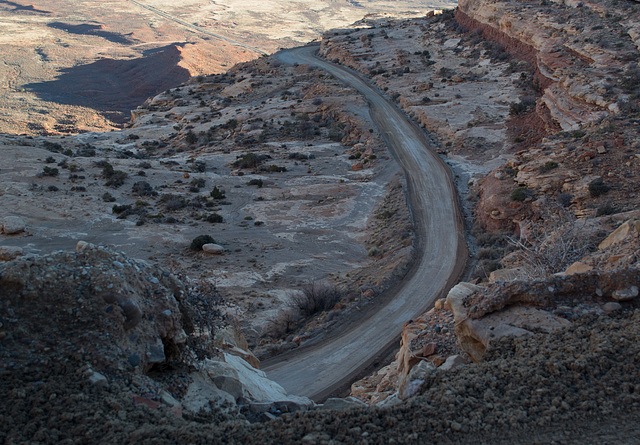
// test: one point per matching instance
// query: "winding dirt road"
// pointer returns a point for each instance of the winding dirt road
(328, 367)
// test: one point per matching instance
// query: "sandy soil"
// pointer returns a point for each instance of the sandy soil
(67, 72)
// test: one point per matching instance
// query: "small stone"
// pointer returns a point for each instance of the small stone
(612, 307)
(428, 349)
(625, 294)
(83, 245)
(452, 362)
(13, 225)
(455, 426)
(134, 359)
(439, 304)
(132, 313)
(97, 379)
(156, 353)
(601, 150)
(213, 249)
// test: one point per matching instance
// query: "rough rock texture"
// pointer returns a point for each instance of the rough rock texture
(571, 95)
(118, 313)
(13, 225)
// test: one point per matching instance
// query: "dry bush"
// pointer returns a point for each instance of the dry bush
(316, 298)
(285, 322)
(552, 243)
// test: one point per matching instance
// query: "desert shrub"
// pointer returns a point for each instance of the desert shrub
(597, 187)
(275, 169)
(520, 194)
(50, 171)
(548, 166)
(50, 160)
(606, 209)
(375, 251)
(231, 124)
(215, 218)
(337, 131)
(250, 160)
(525, 104)
(216, 193)
(316, 298)
(108, 197)
(201, 240)
(285, 322)
(144, 164)
(553, 242)
(53, 188)
(116, 179)
(52, 147)
(86, 151)
(173, 202)
(143, 188)
(564, 199)
(198, 182)
(298, 156)
(191, 137)
(199, 166)
(257, 182)
(120, 208)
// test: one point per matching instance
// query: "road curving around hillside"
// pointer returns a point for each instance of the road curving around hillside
(328, 367)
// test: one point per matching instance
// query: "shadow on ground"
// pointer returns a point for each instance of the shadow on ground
(114, 87)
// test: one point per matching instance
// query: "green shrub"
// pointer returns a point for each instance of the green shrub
(257, 182)
(520, 194)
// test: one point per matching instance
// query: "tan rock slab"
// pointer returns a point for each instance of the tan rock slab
(620, 234)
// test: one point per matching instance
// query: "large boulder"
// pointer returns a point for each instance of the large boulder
(230, 379)
(13, 225)
(620, 234)
(8, 253)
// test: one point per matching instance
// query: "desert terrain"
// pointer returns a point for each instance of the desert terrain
(252, 217)
(72, 66)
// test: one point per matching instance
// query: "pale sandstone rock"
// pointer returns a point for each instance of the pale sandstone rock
(415, 379)
(577, 267)
(612, 307)
(341, 404)
(83, 245)
(232, 341)
(625, 294)
(456, 296)
(8, 253)
(213, 249)
(238, 379)
(476, 335)
(452, 362)
(201, 393)
(13, 225)
(620, 234)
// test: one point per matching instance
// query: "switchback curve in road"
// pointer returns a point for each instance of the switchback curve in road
(329, 366)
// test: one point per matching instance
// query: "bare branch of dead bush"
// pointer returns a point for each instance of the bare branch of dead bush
(551, 243)
(285, 322)
(316, 298)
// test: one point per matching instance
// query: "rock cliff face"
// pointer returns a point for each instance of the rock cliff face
(573, 59)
